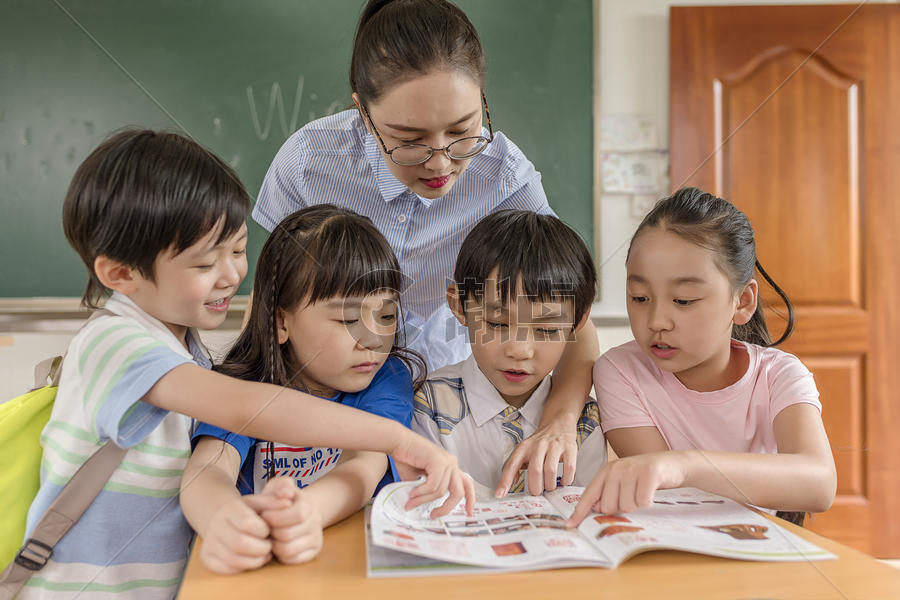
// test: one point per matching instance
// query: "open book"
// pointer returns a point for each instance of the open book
(522, 532)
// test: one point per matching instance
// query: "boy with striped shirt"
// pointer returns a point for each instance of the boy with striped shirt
(160, 224)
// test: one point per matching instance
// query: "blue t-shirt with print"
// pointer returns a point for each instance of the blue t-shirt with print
(390, 395)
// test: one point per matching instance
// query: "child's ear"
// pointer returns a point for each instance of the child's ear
(281, 327)
(362, 113)
(746, 303)
(456, 305)
(116, 276)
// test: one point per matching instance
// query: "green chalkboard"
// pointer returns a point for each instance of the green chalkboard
(240, 77)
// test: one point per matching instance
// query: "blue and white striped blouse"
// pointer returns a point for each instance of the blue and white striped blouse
(335, 160)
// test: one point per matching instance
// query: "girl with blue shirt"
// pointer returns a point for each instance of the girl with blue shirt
(416, 158)
(323, 320)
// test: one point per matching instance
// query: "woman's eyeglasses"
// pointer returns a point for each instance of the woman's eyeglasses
(407, 155)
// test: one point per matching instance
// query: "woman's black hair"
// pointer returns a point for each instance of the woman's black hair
(143, 192)
(400, 39)
(552, 260)
(711, 222)
(314, 254)
(716, 224)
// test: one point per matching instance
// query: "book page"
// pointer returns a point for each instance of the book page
(518, 532)
(385, 562)
(690, 520)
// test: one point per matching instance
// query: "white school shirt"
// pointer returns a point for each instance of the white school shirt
(459, 409)
(335, 160)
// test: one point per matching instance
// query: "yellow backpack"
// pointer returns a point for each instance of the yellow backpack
(21, 421)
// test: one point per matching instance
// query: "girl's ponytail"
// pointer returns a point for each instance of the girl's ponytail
(756, 331)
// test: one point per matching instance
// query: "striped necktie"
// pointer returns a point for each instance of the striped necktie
(512, 426)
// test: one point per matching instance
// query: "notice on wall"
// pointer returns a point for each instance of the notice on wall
(634, 172)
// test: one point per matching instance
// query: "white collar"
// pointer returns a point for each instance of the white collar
(485, 402)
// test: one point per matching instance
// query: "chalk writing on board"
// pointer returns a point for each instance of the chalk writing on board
(277, 101)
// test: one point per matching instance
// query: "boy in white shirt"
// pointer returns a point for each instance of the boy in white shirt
(524, 284)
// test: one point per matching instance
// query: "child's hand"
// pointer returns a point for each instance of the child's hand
(442, 474)
(296, 529)
(541, 454)
(237, 537)
(629, 483)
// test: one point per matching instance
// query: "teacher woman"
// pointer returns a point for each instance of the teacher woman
(415, 157)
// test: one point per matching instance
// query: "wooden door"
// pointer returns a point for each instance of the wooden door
(790, 112)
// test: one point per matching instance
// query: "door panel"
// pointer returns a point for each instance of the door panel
(809, 122)
(786, 111)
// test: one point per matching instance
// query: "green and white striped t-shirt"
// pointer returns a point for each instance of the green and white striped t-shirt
(133, 541)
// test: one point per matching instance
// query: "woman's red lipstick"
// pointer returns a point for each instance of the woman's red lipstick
(436, 182)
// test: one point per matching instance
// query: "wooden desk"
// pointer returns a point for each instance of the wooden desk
(340, 572)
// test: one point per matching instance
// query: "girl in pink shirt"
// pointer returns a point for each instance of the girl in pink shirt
(700, 397)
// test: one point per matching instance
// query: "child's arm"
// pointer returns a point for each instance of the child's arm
(554, 441)
(296, 527)
(423, 423)
(292, 417)
(636, 440)
(801, 476)
(347, 487)
(235, 536)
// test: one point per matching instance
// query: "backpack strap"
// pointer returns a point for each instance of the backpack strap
(47, 372)
(63, 513)
(73, 500)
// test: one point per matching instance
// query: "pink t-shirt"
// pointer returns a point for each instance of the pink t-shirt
(634, 392)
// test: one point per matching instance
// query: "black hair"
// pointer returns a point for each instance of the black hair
(551, 258)
(716, 224)
(142, 192)
(399, 39)
(314, 254)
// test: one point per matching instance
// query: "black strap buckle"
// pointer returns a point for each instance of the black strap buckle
(39, 554)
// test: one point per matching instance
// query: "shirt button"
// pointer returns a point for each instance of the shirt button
(402, 218)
